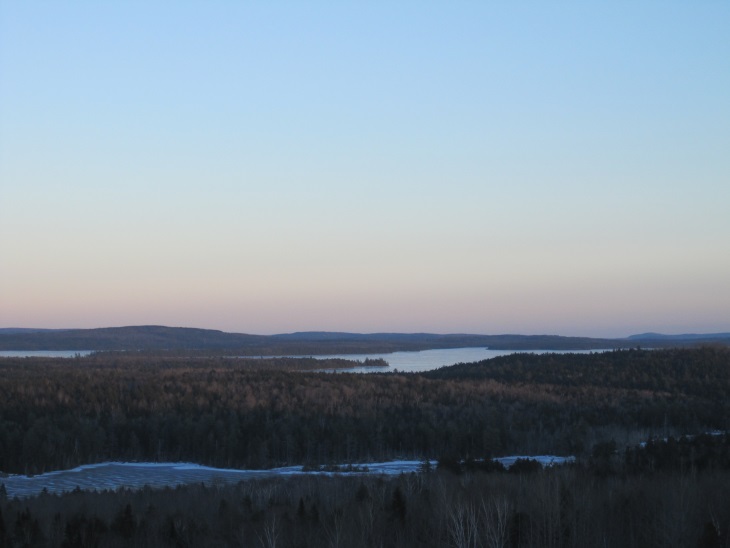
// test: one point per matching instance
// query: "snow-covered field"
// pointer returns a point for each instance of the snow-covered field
(135, 475)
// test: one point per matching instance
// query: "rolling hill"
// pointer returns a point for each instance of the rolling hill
(162, 338)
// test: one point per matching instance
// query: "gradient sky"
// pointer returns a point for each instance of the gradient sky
(266, 167)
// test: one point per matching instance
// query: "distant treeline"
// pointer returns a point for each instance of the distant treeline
(207, 341)
(58, 413)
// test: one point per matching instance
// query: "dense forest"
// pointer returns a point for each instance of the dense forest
(58, 413)
(669, 490)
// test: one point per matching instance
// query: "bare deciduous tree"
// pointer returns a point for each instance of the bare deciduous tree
(495, 514)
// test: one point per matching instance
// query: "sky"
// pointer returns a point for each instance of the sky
(448, 167)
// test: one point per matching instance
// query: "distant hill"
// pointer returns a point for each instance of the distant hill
(146, 337)
(181, 339)
(17, 330)
(683, 337)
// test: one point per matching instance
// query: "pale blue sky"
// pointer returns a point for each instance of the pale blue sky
(487, 167)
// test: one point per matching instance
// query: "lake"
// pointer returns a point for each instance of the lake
(426, 360)
(407, 362)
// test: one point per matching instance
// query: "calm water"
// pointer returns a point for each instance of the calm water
(409, 362)
(426, 360)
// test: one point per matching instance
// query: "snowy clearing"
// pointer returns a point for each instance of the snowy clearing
(136, 475)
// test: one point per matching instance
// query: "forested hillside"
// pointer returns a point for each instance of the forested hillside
(207, 341)
(57, 413)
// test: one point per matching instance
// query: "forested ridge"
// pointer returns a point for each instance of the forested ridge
(669, 491)
(57, 413)
(192, 340)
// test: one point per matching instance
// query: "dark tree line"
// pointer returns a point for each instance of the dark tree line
(192, 340)
(562, 507)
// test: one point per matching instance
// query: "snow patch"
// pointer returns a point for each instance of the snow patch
(136, 475)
